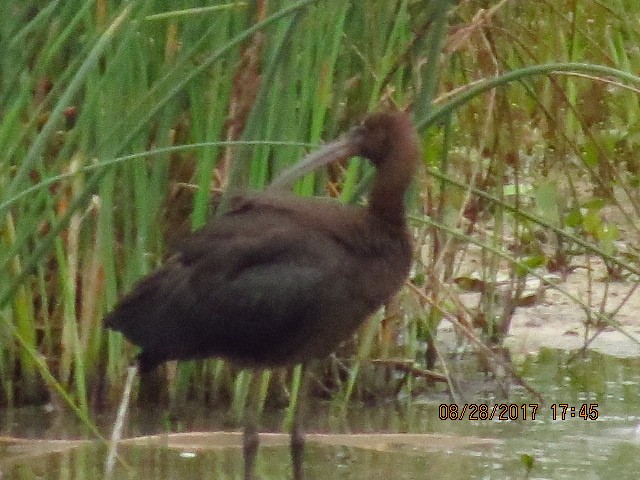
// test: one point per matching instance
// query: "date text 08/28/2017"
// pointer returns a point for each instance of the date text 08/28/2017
(516, 411)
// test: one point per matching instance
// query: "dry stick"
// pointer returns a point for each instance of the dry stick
(447, 377)
(116, 435)
(470, 335)
(407, 366)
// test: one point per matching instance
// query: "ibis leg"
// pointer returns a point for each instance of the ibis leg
(297, 428)
(250, 438)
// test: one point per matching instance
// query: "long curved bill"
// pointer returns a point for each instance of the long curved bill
(337, 150)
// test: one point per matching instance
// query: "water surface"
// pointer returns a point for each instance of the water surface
(407, 439)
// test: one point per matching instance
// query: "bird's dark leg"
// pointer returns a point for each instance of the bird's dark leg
(250, 438)
(297, 428)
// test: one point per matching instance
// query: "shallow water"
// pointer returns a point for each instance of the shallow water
(360, 444)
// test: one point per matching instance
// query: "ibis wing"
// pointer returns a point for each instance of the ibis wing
(262, 301)
(254, 295)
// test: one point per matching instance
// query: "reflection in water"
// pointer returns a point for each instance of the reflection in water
(333, 462)
(570, 448)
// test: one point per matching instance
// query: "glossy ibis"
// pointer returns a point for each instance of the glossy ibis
(278, 279)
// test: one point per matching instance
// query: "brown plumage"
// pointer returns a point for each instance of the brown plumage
(279, 279)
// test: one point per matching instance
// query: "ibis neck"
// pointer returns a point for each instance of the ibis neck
(387, 195)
